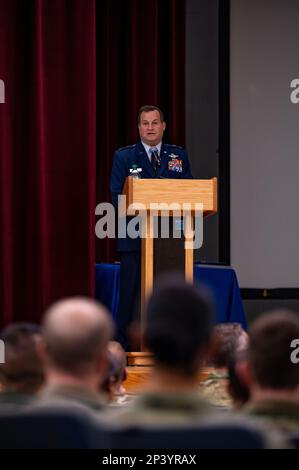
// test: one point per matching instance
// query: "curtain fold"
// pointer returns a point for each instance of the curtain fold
(57, 135)
(47, 145)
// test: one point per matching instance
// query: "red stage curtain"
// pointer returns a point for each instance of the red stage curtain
(47, 130)
(47, 153)
(140, 60)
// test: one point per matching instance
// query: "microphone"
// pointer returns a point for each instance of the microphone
(155, 153)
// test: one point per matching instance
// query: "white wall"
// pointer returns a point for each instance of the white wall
(264, 143)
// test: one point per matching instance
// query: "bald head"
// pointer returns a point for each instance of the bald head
(76, 332)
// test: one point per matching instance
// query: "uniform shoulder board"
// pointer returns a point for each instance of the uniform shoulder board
(127, 147)
(172, 146)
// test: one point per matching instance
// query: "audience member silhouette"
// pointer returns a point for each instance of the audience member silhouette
(21, 375)
(228, 340)
(271, 372)
(76, 332)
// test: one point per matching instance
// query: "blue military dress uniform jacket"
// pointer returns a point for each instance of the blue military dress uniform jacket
(174, 164)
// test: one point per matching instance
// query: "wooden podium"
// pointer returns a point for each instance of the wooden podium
(149, 195)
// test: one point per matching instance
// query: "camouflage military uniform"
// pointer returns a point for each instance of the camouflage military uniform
(12, 400)
(283, 414)
(161, 409)
(214, 389)
(52, 395)
(185, 410)
(121, 400)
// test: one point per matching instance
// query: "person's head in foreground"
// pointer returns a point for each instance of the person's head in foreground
(76, 332)
(271, 372)
(178, 328)
(22, 371)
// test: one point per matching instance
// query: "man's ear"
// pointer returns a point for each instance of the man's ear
(164, 125)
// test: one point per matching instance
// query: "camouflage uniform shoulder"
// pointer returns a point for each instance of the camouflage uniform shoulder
(128, 147)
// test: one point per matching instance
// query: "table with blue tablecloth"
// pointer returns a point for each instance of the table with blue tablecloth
(220, 280)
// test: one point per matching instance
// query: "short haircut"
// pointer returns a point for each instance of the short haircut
(76, 332)
(23, 369)
(227, 338)
(270, 350)
(147, 108)
(179, 320)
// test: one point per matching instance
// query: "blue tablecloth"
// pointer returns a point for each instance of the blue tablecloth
(220, 280)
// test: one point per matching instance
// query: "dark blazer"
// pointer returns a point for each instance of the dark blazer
(174, 164)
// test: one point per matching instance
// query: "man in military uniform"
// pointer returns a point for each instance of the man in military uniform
(22, 374)
(154, 159)
(75, 335)
(229, 340)
(272, 373)
(177, 333)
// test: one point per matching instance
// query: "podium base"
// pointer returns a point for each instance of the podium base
(140, 359)
(139, 376)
